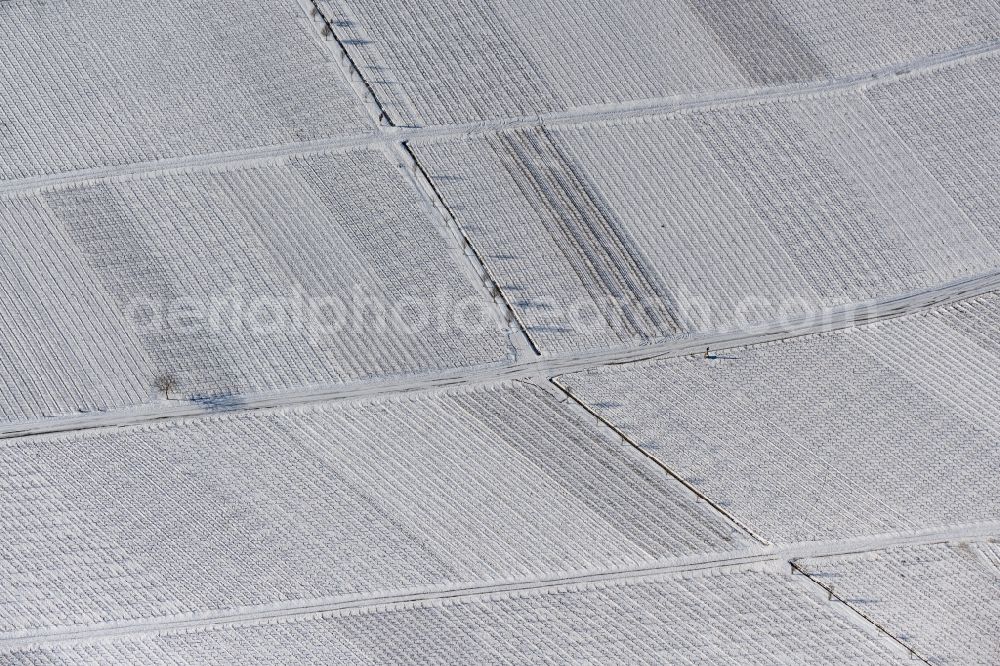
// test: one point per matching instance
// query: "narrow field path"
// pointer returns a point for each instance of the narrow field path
(386, 136)
(779, 558)
(532, 367)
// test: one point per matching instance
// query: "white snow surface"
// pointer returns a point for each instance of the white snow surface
(453, 489)
(943, 600)
(234, 281)
(88, 83)
(433, 284)
(457, 61)
(755, 618)
(878, 429)
(722, 218)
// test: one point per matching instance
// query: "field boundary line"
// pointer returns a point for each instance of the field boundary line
(624, 437)
(755, 558)
(517, 331)
(834, 597)
(363, 89)
(844, 317)
(397, 150)
(662, 106)
(385, 135)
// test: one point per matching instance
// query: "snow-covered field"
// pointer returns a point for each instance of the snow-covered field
(457, 61)
(93, 83)
(307, 271)
(879, 429)
(603, 234)
(943, 600)
(335, 331)
(463, 487)
(950, 122)
(717, 619)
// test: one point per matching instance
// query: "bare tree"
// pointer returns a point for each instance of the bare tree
(165, 384)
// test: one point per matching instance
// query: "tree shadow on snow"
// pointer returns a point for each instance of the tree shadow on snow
(218, 403)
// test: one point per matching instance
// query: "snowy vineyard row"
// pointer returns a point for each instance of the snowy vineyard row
(92, 83)
(885, 428)
(461, 488)
(598, 235)
(724, 218)
(746, 617)
(941, 600)
(122, 83)
(456, 61)
(316, 271)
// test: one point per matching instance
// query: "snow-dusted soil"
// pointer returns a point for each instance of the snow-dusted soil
(527, 367)
(725, 217)
(951, 122)
(234, 281)
(754, 617)
(89, 83)
(456, 61)
(249, 198)
(468, 486)
(942, 600)
(881, 428)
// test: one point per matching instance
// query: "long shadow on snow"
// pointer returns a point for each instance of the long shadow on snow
(218, 403)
